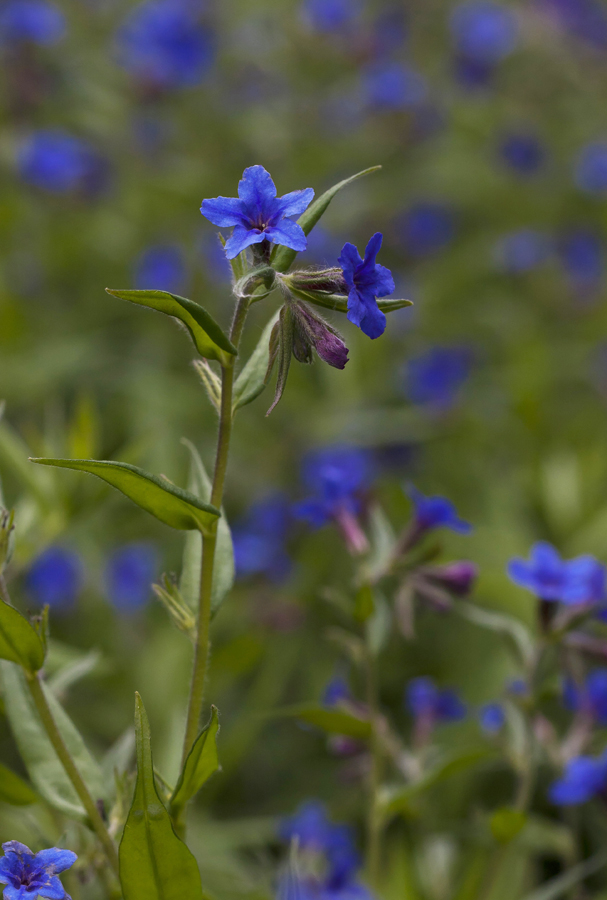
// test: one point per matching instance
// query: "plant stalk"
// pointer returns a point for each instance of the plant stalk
(54, 735)
(209, 541)
(374, 817)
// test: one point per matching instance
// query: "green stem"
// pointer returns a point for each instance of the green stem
(374, 817)
(209, 541)
(54, 735)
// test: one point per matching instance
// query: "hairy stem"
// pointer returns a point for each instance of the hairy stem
(209, 541)
(54, 735)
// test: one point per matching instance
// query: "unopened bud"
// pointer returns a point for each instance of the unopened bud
(456, 577)
(311, 330)
(330, 281)
(169, 595)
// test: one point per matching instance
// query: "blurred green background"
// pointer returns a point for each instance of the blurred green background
(479, 230)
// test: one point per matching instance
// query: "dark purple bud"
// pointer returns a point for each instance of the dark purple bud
(457, 577)
(313, 331)
(330, 281)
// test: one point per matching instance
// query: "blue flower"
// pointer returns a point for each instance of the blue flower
(259, 540)
(129, 574)
(329, 15)
(436, 512)
(366, 280)
(583, 779)
(589, 697)
(258, 214)
(434, 379)
(28, 876)
(492, 718)
(483, 31)
(590, 170)
(161, 267)
(337, 691)
(164, 43)
(61, 163)
(316, 833)
(426, 228)
(394, 85)
(522, 152)
(579, 581)
(581, 255)
(425, 700)
(36, 21)
(523, 250)
(55, 578)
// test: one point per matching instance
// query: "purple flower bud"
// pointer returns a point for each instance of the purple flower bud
(457, 577)
(312, 330)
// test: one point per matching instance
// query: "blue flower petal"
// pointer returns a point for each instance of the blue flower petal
(384, 281)
(223, 211)
(287, 233)
(16, 893)
(54, 860)
(256, 188)
(53, 890)
(349, 259)
(241, 239)
(296, 202)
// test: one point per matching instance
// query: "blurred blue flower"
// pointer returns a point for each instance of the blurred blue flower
(259, 539)
(585, 19)
(61, 163)
(578, 581)
(314, 832)
(589, 697)
(434, 379)
(257, 214)
(581, 255)
(472, 73)
(484, 31)
(216, 266)
(28, 876)
(426, 228)
(523, 250)
(492, 717)
(329, 15)
(161, 268)
(323, 247)
(435, 512)
(366, 280)
(394, 85)
(518, 687)
(425, 700)
(583, 779)
(164, 43)
(55, 578)
(35, 21)
(337, 691)
(524, 153)
(335, 476)
(590, 171)
(129, 574)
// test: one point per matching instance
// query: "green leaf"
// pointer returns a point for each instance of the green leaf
(158, 496)
(504, 624)
(154, 863)
(208, 338)
(339, 302)
(284, 256)
(506, 823)
(364, 603)
(201, 763)
(252, 379)
(333, 721)
(19, 641)
(223, 566)
(44, 768)
(15, 790)
(398, 800)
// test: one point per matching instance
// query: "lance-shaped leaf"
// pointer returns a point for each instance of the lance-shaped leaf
(339, 302)
(42, 763)
(333, 721)
(154, 863)
(19, 641)
(223, 565)
(284, 256)
(209, 339)
(252, 379)
(14, 790)
(282, 351)
(158, 496)
(201, 763)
